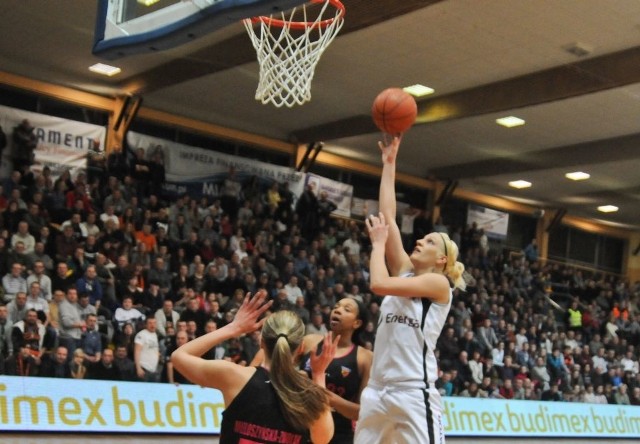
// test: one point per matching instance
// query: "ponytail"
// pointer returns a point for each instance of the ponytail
(302, 400)
(453, 269)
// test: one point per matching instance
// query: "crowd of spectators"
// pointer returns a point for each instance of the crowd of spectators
(103, 276)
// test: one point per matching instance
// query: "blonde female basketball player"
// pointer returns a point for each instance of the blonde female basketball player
(274, 397)
(401, 404)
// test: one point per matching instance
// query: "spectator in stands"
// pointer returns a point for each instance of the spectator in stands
(23, 235)
(166, 317)
(487, 336)
(147, 353)
(24, 144)
(17, 308)
(77, 368)
(173, 375)
(473, 391)
(124, 363)
(193, 312)
(540, 375)
(36, 302)
(6, 326)
(90, 285)
(621, 396)
(105, 369)
(635, 396)
(126, 314)
(159, 275)
(531, 251)
(552, 394)
(57, 366)
(91, 340)
(14, 282)
(71, 323)
(317, 325)
(40, 277)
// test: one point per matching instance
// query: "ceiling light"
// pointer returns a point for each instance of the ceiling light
(148, 2)
(106, 70)
(607, 208)
(577, 175)
(519, 184)
(418, 90)
(510, 121)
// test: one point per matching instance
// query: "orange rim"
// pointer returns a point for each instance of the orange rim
(303, 25)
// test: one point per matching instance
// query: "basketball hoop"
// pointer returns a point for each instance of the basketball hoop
(289, 49)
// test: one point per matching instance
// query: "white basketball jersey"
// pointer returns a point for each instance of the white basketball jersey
(407, 334)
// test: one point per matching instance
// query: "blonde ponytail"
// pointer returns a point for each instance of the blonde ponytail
(454, 270)
(302, 400)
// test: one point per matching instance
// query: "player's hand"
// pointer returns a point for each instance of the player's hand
(320, 362)
(389, 148)
(378, 228)
(248, 315)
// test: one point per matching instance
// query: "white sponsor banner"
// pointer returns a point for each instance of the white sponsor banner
(67, 405)
(494, 223)
(337, 192)
(62, 144)
(528, 419)
(201, 172)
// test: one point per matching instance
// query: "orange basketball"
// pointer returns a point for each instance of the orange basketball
(394, 111)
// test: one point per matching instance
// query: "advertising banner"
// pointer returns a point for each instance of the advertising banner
(337, 192)
(45, 404)
(494, 223)
(62, 144)
(201, 172)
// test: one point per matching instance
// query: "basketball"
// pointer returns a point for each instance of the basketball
(394, 111)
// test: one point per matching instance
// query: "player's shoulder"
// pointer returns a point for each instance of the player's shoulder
(364, 355)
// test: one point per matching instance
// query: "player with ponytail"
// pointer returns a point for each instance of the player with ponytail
(401, 403)
(273, 396)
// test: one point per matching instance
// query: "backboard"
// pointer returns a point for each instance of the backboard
(126, 27)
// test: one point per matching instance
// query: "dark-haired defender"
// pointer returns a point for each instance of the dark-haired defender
(348, 372)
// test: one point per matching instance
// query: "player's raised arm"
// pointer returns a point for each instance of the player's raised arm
(397, 259)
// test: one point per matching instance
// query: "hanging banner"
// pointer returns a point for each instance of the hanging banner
(494, 223)
(200, 172)
(62, 144)
(337, 192)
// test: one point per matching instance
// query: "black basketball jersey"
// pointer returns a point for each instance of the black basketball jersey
(343, 379)
(255, 416)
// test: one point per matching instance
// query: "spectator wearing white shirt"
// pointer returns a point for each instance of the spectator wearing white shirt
(292, 290)
(147, 352)
(166, 316)
(475, 365)
(110, 215)
(629, 363)
(521, 338)
(127, 313)
(13, 282)
(38, 276)
(89, 226)
(600, 364)
(17, 309)
(36, 302)
(352, 244)
(23, 235)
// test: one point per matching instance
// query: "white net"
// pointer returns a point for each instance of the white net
(288, 52)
